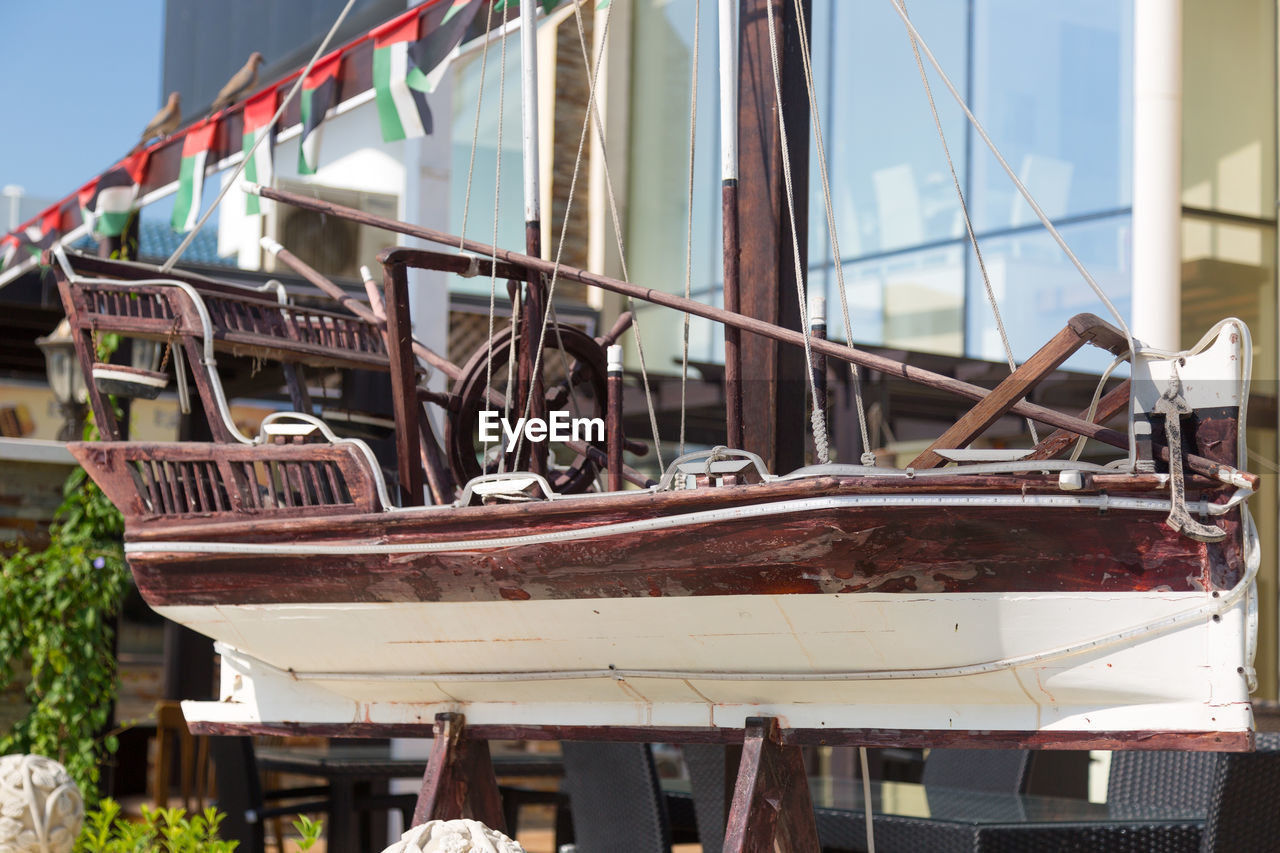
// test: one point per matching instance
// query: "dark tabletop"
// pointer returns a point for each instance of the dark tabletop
(374, 761)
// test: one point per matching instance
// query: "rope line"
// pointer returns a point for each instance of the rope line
(688, 245)
(564, 230)
(968, 224)
(248, 158)
(594, 112)
(466, 205)
(868, 455)
(1022, 189)
(818, 418)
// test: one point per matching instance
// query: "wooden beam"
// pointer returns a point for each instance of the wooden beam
(404, 388)
(1079, 330)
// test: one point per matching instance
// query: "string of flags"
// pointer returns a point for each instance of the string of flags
(411, 54)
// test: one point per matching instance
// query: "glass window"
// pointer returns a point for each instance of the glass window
(1053, 86)
(1038, 289)
(889, 180)
(913, 300)
(658, 198)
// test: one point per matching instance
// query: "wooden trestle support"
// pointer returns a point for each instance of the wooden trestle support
(771, 810)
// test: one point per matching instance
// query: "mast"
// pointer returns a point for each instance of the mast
(533, 456)
(775, 394)
(729, 215)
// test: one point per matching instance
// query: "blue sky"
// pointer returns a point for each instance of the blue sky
(81, 80)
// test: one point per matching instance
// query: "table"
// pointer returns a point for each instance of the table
(911, 816)
(914, 816)
(352, 770)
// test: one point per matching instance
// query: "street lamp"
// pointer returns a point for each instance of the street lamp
(65, 379)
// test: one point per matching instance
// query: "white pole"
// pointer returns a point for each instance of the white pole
(729, 90)
(1157, 172)
(529, 107)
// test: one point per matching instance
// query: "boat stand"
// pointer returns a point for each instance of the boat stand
(771, 808)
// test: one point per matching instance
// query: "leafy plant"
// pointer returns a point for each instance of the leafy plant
(169, 830)
(106, 830)
(56, 607)
(308, 831)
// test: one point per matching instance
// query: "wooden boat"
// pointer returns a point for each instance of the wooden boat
(1029, 600)
(1039, 601)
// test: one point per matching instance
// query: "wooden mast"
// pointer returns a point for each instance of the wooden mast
(729, 216)
(774, 397)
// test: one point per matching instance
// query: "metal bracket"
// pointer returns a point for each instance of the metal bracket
(1173, 406)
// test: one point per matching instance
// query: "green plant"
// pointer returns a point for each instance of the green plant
(169, 830)
(106, 830)
(308, 831)
(56, 607)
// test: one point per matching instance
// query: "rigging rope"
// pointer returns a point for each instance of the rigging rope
(968, 224)
(1022, 189)
(248, 158)
(466, 206)
(688, 245)
(564, 230)
(594, 112)
(817, 418)
(868, 455)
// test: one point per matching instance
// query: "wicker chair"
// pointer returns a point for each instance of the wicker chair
(1244, 812)
(615, 798)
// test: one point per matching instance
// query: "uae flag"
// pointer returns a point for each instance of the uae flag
(319, 93)
(30, 241)
(195, 152)
(257, 124)
(411, 54)
(402, 111)
(107, 201)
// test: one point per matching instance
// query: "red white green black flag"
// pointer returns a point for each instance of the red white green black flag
(410, 55)
(319, 94)
(195, 153)
(260, 167)
(29, 242)
(107, 201)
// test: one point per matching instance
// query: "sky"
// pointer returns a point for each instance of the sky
(81, 78)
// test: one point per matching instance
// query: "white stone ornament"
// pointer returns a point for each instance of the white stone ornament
(453, 836)
(41, 809)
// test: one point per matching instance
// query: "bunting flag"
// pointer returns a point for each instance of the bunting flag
(445, 28)
(259, 168)
(195, 153)
(107, 201)
(408, 64)
(30, 241)
(547, 5)
(319, 93)
(402, 112)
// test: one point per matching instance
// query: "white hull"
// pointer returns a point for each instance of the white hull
(961, 662)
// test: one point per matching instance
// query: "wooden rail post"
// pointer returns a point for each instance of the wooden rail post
(404, 388)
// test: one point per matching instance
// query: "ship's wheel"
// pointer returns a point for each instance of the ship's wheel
(575, 383)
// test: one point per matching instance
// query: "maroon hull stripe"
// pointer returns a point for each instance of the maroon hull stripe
(894, 550)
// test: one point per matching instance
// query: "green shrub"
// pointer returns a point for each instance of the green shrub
(106, 830)
(56, 608)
